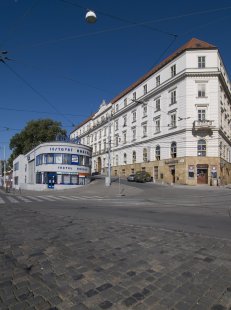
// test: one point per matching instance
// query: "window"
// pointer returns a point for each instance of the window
(144, 130)
(145, 110)
(133, 157)
(173, 70)
(125, 102)
(117, 108)
(201, 90)
(49, 158)
(133, 116)
(95, 136)
(201, 148)
(116, 125)
(91, 138)
(201, 115)
(173, 120)
(157, 125)
(124, 137)
(125, 158)
(201, 62)
(158, 80)
(117, 160)
(145, 155)
(66, 159)
(105, 131)
(145, 88)
(116, 140)
(134, 96)
(104, 145)
(157, 152)
(16, 166)
(173, 150)
(100, 134)
(58, 159)
(133, 134)
(125, 121)
(173, 97)
(158, 104)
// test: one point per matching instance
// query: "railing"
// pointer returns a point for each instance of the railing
(203, 124)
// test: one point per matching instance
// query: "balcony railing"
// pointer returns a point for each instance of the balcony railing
(203, 124)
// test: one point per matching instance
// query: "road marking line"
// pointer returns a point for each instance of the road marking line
(12, 200)
(23, 199)
(46, 198)
(2, 201)
(34, 198)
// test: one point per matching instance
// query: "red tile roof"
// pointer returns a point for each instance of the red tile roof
(191, 44)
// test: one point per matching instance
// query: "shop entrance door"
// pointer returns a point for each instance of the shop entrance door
(173, 173)
(202, 174)
(51, 179)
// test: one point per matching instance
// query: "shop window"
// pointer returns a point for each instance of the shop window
(67, 159)
(191, 171)
(15, 180)
(38, 178)
(58, 158)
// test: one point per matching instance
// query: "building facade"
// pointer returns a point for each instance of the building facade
(53, 165)
(174, 122)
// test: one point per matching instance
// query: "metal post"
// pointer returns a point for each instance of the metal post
(108, 178)
(4, 177)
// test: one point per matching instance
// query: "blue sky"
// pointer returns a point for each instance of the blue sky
(62, 67)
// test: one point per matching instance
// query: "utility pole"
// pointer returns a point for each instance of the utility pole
(108, 178)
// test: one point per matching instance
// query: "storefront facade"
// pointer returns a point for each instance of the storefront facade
(53, 165)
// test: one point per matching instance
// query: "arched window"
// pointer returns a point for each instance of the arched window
(125, 158)
(134, 157)
(157, 152)
(201, 147)
(173, 150)
(145, 155)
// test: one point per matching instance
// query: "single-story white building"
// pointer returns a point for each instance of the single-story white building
(53, 165)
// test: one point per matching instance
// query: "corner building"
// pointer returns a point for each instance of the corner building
(174, 122)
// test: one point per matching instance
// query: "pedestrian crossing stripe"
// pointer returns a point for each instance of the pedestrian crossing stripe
(1, 200)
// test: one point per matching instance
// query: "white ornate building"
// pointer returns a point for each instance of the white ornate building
(174, 122)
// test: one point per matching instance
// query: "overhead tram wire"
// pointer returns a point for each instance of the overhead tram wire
(123, 27)
(121, 19)
(38, 93)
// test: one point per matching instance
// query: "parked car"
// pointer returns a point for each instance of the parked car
(142, 177)
(131, 178)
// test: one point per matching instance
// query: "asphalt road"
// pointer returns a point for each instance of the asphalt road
(148, 247)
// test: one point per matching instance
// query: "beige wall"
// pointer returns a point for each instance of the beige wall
(181, 166)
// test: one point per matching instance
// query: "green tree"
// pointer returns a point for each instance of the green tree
(35, 132)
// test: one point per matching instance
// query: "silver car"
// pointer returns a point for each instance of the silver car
(131, 178)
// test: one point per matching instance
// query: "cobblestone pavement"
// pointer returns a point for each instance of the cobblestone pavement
(51, 261)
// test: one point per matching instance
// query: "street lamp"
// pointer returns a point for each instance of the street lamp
(91, 17)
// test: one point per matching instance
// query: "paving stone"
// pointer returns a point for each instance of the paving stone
(129, 301)
(105, 304)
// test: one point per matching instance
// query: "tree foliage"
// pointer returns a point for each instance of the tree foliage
(35, 132)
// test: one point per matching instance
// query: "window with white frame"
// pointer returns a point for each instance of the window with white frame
(173, 96)
(99, 146)
(201, 147)
(158, 104)
(158, 80)
(105, 131)
(100, 134)
(95, 136)
(157, 125)
(145, 155)
(173, 150)
(173, 120)
(201, 90)
(157, 152)
(125, 158)
(201, 114)
(117, 107)
(91, 138)
(104, 145)
(134, 157)
(116, 125)
(134, 96)
(133, 134)
(173, 70)
(144, 130)
(201, 61)
(125, 102)
(134, 116)
(145, 89)
(124, 137)
(125, 121)
(145, 110)
(116, 140)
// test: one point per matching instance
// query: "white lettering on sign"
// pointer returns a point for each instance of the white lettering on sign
(64, 168)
